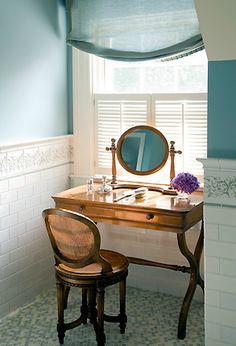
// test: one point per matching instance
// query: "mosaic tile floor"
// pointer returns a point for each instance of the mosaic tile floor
(152, 321)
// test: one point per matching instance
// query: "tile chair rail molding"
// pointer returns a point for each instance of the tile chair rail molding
(35, 155)
(79, 262)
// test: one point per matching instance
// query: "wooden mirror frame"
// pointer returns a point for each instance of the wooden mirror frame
(124, 136)
(114, 151)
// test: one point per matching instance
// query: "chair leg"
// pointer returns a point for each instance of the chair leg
(92, 311)
(100, 327)
(66, 293)
(60, 307)
(84, 306)
(123, 316)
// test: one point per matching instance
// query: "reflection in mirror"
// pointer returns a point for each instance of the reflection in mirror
(142, 150)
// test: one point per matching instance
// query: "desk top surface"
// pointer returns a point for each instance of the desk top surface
(154, 200)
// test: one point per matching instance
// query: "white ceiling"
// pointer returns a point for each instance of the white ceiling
(217, 19)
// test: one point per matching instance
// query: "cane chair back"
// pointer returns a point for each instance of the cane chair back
(75, 239)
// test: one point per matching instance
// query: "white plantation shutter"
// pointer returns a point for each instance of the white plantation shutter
(185, 122)
(168, 120)
(114, 115)
(195, 135)
(180, 117)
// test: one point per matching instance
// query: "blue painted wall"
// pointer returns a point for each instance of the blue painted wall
(222, 109)
(33, 70)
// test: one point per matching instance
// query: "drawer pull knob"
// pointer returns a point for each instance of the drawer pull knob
(149, 216)
(81, 208)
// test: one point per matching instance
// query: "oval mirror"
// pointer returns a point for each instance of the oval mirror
(142, 150)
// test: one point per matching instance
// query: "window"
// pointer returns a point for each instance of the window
(168, 95)
(185, 75)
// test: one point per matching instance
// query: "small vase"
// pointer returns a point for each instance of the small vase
(183, 196)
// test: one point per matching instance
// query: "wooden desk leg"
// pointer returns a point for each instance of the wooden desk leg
(195, 278)
(198, 253)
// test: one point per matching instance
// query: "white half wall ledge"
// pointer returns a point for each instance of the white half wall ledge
(218, 163)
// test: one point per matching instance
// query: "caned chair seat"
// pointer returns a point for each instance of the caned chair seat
(118, 263)
(79, 262)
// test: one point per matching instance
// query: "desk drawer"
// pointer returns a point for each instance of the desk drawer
(130, 217)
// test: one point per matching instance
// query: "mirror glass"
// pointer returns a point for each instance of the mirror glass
(142, 150)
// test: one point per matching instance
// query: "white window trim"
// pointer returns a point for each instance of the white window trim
(83, 116)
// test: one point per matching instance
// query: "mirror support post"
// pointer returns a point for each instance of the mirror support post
(172, 159)
(112, 148)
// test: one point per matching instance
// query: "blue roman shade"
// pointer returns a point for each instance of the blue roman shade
(132, 30)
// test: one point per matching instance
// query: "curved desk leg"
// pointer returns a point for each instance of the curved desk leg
(195, 278)
(198, 253)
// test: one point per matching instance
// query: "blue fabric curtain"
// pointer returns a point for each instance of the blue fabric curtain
(132, 30)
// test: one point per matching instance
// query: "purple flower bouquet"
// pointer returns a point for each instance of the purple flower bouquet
(185, 183)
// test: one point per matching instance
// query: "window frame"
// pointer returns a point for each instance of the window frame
(84, 115)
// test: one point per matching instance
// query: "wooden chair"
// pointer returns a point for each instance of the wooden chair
(80, 262)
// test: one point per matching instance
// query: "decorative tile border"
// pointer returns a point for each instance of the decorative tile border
(217, 186)
(27, 157)
(219, 181)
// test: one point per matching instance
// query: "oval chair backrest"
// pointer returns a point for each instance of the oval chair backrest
(75, 239)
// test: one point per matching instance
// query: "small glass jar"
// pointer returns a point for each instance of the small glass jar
(90, 186)
(183, 195)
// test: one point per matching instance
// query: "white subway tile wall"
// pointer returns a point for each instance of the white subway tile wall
(220, 249)
(26, 187)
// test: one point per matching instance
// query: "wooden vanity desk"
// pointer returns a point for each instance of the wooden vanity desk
(159, 212)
